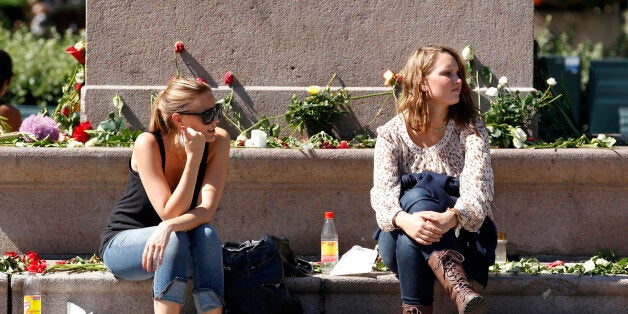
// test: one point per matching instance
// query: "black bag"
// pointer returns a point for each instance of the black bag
(254, 279)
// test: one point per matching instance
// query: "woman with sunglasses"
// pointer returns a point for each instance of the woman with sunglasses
(161, 228)
(433, 186)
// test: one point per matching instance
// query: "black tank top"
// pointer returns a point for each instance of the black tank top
(134, 210)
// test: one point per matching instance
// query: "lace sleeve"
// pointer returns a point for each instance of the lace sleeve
(386, 185)
(476, 179)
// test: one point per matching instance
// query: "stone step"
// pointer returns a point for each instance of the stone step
(377, 292)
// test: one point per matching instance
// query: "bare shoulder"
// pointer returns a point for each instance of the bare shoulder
(145, 141)
(222, 142)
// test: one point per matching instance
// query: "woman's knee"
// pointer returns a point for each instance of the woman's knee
(206, 233)
(179, 243)
(417, 200)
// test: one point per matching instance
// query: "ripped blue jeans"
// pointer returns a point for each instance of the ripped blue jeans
(196, 253)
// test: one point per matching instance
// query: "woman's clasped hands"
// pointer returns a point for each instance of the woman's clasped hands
(426, 227)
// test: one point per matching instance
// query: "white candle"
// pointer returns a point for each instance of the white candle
(259, 138)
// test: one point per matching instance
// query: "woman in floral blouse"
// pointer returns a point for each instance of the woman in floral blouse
(433, 185)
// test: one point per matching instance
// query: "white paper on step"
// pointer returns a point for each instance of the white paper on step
(75, 309)
(357, 260)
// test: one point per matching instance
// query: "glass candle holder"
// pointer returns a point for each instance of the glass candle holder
(500, 251)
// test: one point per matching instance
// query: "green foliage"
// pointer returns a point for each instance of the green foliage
(319, 110)
(605, 263)
(113, 132)
(40, 65)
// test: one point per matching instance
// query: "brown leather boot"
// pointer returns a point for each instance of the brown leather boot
(416, 309)
(447, 266)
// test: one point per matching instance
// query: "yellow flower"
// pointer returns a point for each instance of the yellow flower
(314, 89)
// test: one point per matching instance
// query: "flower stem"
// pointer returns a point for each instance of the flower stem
(372, 95)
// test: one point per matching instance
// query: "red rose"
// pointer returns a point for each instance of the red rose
(32, 257)
(79, 132)
(399, 79)
(65, 111)
(556, 263)
(79, 55)
(240, 143)
(12, 255)
(202, 80)
(343, 144)
(78, 86)
(228, 78)
(178, 47)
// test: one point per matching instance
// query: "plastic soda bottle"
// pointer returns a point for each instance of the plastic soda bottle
(329, 244)
(32, 294)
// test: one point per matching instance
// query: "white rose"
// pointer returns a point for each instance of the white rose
(79, 77)
(91, 142)
(308, 145)
(491, 92)
(467, 53)
(74, 143)
(249, 143)
(551, 81)
(517, 143)
(503, 80)
(601, 261)
(519, 134)
(241, 137)
(588, 265)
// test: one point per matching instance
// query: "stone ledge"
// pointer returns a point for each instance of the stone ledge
(103, 293)
(560, 194)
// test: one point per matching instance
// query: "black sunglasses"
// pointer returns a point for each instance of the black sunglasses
(208, 116)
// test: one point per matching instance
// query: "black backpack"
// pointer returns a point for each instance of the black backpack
(254, 279)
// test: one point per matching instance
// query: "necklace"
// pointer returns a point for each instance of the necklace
(441, 129)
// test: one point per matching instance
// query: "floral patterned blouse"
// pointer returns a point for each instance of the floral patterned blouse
(460, 153)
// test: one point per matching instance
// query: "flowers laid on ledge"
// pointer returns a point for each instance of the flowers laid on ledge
(315, 114)
(512, 111)
(13, 263)
(63, 127)
(601, 264)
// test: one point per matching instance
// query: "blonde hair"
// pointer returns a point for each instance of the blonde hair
(177, 97)
(414, 100)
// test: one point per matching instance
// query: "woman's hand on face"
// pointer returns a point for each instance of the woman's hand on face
(153, 255)
(422, 226)
(193, 141)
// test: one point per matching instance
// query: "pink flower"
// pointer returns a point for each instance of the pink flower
(556, 263)
(78, 86)
(40, 126)
(178, 47)
(202, 80)
(228, 78)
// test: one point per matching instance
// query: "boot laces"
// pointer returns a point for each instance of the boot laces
(450, 262)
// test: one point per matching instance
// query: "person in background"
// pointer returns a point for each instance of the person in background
(433, 186)
(10, 113)
(161, 228)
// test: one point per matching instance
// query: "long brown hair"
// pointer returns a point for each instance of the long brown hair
(177, 97)
(414, 100)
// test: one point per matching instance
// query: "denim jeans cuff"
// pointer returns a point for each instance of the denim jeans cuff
(174, 291)
(206, 300)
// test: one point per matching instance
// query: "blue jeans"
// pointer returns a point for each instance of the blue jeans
(407, 258)
(196, 253)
